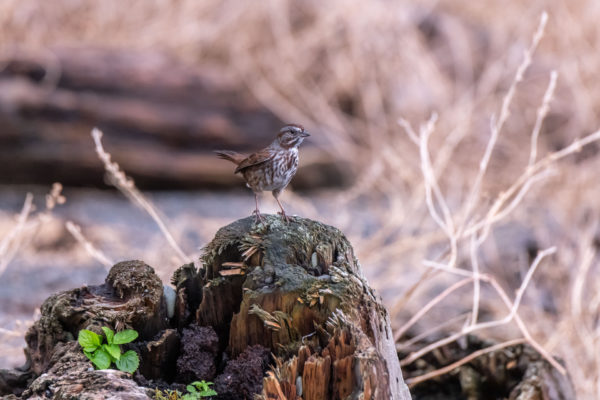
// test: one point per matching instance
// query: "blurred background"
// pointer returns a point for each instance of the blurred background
(169, 81)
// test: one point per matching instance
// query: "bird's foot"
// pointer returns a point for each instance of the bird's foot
(258, 216)
(284, 216)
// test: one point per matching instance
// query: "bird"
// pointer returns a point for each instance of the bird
(271, 168)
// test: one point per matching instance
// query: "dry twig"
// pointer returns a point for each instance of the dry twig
(422, 378)
(128, 188)
(12, 241)
(99, 256)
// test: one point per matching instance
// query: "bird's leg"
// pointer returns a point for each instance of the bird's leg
(258, 216)
(283, 214)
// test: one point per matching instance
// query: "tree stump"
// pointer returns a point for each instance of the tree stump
(297, 290)
(275, 311)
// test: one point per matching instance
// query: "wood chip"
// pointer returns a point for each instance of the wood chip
(273, 325)
(248, 253)
(228, 272)
(233, 264)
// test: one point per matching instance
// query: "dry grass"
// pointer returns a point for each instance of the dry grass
(443, 196)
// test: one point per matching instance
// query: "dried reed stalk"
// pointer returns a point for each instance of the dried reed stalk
(98, 255)
(128, 188)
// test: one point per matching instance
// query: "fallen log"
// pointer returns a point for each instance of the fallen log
(161, 119)
(516, 372)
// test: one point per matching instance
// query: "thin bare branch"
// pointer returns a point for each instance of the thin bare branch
(486, 325)
(432, 190)
(422, 378)
(401, 346)
(432, 303)
(496, 125)
(99, 256)
(11, 242)
(541, 115)
(476, 280)
(127, 187)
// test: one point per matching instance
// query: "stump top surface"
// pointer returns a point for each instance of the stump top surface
(296, 242)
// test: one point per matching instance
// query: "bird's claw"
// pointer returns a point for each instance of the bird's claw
(258, 216)
(284, 216)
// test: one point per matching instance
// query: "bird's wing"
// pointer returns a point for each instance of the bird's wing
(255, 158)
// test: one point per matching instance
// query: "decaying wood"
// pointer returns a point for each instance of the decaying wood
(515, 372)
(318, 371)
(15, 380)
(303, 297)
(132, 297)
(69, 376)
(300, 323)
(161, 120)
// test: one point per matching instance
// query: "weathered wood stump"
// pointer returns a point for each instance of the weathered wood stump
(298, 290)
(276, 310)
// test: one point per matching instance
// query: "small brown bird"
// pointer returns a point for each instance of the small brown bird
(271, 168)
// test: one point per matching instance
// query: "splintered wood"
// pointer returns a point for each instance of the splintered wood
(317, 371)
(296, 289)
(233, 271)
(234, 268)
(330, 372)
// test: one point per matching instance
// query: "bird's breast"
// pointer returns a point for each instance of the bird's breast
(275, 173)
(285, 164)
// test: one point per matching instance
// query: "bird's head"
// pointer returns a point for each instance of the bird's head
(291, 136)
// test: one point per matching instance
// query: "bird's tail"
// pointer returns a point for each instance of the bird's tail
(232, 156)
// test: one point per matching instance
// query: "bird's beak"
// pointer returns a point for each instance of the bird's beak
(304, 134)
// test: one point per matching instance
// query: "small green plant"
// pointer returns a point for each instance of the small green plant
(196, 390)
(102, 355)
